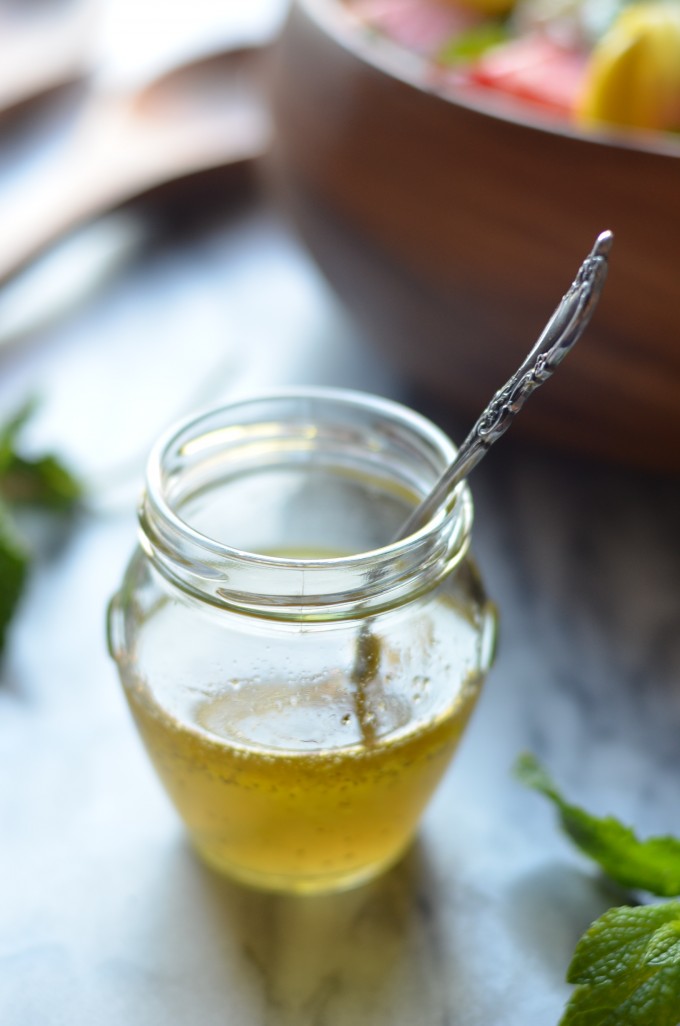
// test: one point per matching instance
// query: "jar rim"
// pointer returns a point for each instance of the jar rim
(178, 548)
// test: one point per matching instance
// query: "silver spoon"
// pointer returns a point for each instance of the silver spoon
(560, 334)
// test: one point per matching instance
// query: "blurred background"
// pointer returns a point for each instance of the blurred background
(101, 313)
(436, 157)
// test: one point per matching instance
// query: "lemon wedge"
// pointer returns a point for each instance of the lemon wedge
(633, 76)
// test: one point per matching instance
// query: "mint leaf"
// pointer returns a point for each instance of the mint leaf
(43, 482)
(627, 969)
(11, 429)
(13, 568)
(468, 45)
(652, 865)
(40, 482)
(664, 948)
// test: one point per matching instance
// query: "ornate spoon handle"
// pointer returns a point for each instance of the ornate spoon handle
(562, 331)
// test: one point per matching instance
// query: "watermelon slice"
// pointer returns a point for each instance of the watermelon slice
(533, 69)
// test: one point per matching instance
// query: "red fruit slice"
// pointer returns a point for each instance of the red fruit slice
(533, 69)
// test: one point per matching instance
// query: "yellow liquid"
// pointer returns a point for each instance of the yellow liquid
(289, 819)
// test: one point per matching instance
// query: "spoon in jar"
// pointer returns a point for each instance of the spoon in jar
(560, 334)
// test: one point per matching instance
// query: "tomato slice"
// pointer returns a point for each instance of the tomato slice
(533, 69)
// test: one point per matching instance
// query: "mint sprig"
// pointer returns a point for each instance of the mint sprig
(13, 570)
(12, 428)
(652, 865)
(42, 483)
(626, 968)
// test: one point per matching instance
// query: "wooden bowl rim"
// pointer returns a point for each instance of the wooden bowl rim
(333, 18)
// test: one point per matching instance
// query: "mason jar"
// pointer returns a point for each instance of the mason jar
(299, 681)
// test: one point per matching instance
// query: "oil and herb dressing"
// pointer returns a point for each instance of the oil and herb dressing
(299, 684)
(314, 818)
(273, 778)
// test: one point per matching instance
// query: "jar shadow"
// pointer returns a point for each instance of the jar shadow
(362, 955)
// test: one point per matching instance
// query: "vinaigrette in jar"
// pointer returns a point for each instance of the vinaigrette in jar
(290, 771)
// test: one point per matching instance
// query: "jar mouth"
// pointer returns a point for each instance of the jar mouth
(351, 432)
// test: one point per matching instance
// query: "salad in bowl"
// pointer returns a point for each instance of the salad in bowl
(589, 63)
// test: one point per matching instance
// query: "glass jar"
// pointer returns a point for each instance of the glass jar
(299, 682)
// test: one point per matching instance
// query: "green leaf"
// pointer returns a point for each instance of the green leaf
(42, 482)
(627, 969)
(11, 429)
(13, 569)
(664, 949)
(652, 865)
(468, 45)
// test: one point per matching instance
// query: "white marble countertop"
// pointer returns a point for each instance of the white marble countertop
(105, 915)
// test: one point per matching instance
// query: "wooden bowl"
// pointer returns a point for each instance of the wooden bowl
(451, 231)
